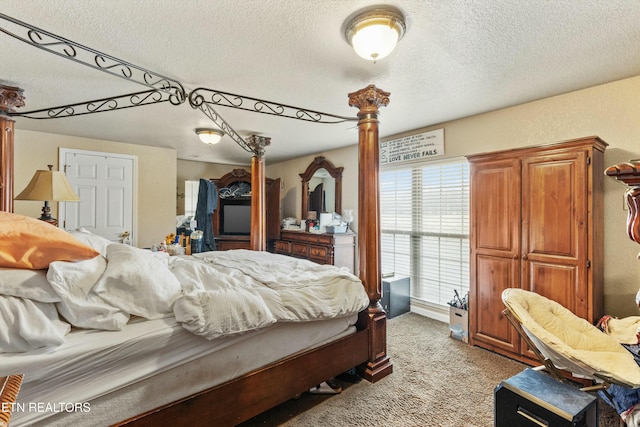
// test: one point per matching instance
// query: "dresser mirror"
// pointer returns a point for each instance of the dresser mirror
(321, 187)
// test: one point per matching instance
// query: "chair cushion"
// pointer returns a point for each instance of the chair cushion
(570, 342)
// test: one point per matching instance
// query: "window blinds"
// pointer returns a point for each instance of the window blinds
(424, 219)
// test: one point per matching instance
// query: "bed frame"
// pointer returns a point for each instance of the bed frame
(249, 395)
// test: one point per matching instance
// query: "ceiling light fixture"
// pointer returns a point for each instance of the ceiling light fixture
(374, 34)
(209, 136)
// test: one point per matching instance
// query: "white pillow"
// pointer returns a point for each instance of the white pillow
(138, 282)
(31, 284)
(98, 243)
(80, 305)
(26, 325)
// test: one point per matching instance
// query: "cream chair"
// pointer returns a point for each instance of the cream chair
(563, 341)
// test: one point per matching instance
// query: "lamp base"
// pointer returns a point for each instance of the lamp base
(46, 215)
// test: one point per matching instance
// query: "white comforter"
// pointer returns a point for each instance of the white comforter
(234, 291)
(211, 294)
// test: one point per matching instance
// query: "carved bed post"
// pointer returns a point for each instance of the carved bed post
(10, 99)
(258, 193)
(368, 100)
(629, 173)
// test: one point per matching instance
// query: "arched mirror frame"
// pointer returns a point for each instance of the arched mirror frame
(319, 163)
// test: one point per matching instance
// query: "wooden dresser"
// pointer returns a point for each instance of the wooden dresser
(336, 249)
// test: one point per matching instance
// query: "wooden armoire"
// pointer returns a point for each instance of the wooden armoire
(273, 211)
(536, 224)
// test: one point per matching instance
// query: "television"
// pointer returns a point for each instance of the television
(235, 217)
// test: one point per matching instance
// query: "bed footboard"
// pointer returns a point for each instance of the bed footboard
(245, 397)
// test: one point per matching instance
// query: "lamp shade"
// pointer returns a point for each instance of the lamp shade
(375, 34)
(48, 185)
(209, 136)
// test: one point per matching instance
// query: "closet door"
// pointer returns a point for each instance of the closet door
(554, 228)
(495, 250)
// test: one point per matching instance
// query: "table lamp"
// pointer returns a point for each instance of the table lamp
(48, 186)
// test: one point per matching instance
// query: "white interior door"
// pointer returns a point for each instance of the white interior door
(106, 185)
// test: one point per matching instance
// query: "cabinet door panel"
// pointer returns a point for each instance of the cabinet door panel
(553, 205)
(554, 224)
(495, 250)
(495, 206)
(494, 275)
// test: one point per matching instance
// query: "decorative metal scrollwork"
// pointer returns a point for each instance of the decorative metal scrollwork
(197, 102)
(241, 102)
(162, 88)
(92, 58)
(121, 102)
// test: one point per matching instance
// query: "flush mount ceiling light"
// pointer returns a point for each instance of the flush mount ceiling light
(209, 136)
(374, 34)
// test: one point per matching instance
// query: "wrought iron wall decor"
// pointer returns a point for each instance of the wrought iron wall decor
(163, 88)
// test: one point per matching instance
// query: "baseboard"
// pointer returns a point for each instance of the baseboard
(432, 311)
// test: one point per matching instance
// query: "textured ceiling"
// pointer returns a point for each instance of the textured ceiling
(458, 58)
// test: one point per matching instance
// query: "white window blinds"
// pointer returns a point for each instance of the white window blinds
(191, 197)
(424, 212)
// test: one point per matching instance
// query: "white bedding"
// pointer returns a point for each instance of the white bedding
(135, 314)
(235, 291)
(211, 295)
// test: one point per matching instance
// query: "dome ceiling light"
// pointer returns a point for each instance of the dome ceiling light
(209, 136)
(374, 34)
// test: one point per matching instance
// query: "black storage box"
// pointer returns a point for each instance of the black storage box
(533, 398)
(395, 295)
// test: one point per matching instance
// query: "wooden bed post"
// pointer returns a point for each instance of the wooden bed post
(10, 99)
(368, 100)
(258, 239)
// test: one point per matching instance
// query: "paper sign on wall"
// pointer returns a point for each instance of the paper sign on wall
(412, 148)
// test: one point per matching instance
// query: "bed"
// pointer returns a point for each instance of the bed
(99, 327)
(189, 391)
(180, 385)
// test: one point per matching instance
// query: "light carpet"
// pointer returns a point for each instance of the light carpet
(436, 381)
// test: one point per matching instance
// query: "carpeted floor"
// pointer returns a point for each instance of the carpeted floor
(436, 381)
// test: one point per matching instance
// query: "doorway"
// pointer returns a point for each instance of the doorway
(106, 184)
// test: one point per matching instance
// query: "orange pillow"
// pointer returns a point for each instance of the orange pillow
(30, 243)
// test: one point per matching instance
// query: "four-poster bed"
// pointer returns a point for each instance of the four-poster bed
(282, 377)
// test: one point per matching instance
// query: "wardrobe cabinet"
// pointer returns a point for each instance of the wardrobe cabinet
(536, 224)
(227, 241)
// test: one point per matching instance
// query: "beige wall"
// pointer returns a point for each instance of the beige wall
(610, 111)
(156, 177)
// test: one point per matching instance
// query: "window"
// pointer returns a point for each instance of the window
(191, 197)
(424, 220)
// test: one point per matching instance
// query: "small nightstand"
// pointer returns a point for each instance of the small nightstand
(395, 295)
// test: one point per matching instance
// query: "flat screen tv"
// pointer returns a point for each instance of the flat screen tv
(235, 217)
